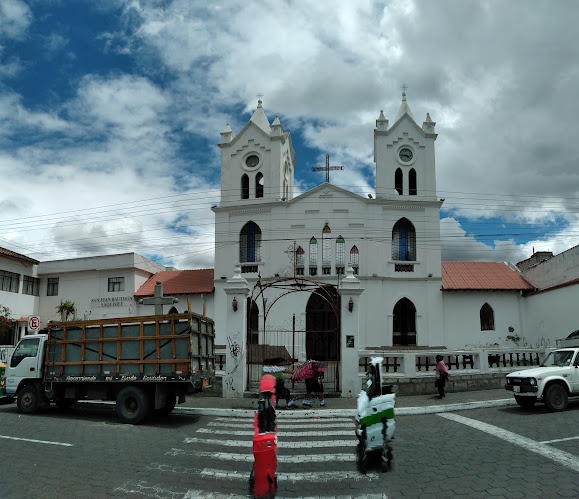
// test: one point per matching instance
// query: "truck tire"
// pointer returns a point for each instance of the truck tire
(556, 398)
(132, 405)
(525, 401)
(28, 400)
(171, 400)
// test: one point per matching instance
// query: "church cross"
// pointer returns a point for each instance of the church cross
(327, 168)
(159, 300)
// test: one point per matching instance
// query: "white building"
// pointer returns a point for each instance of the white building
(326, 274)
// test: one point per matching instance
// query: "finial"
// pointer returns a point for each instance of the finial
(259, 96)
(382, 117)
(428, 117)
(404, 87)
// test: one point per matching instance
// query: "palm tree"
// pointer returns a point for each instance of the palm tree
(65, 309)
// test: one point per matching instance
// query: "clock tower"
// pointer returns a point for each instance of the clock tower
(257, 164)
(404, 157)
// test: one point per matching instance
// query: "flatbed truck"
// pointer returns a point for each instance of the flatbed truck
(144, 364)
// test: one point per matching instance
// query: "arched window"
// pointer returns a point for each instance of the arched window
(326, 250)
(404, 241)
(412, 182)
(244, 186)
(398, 182)
(340, 255)
(313, 256)
(259, 185)
(299, 259)
(355, 258)
(487, 318)
(250, 243)
(404, 323)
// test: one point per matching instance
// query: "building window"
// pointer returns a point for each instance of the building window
(299, 271)
(340, 251)
(404, 241)
(313, 252)
(30, 285)
(300, 253)
(259, 185)
(326, 248)
(487, 318)
(355, 259)
(412, 182)
(398, 182)
(250, 243)
(52, 286)
(116, 284)
(9, 281)
(313, 270)
(404, 323)
(245, 186)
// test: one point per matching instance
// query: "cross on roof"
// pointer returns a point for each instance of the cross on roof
(159, 300)
(404, 87)
(327, 168)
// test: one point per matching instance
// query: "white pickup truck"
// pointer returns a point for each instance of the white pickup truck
(553, 382)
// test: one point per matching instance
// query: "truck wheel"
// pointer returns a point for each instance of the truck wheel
(132, 405)
(28, 400)
(171, 400)
(525, 401)
(556, 398)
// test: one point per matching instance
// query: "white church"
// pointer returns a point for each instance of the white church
(328, 274)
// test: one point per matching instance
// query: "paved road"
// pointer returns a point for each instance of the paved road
(493, 452)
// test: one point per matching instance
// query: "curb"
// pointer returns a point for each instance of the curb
(349, 413)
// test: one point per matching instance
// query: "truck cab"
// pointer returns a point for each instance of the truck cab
(24, 370)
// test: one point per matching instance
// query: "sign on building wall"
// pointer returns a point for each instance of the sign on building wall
(113, 301)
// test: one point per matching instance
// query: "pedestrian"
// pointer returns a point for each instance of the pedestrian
(312, 373)
(277, 367)
(442, 375)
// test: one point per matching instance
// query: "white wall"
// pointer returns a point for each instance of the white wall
(462, 319)
(20, 305)
(551, 315)
(561, 268)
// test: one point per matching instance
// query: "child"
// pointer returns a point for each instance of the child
(276, 367)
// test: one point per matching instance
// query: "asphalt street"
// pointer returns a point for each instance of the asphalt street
(495, 451)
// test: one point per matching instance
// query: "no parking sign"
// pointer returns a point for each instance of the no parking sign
(33, 323)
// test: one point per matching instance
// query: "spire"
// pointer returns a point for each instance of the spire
(276, 126)
(428, 125)
(404, 109)
(226, 134)
(382, 122)
(260, 119)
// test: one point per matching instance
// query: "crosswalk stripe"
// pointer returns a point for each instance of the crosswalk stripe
(308, 444)
(285, 424)
(320, 420)
(316, 476)
(320, 433)
(290, 459)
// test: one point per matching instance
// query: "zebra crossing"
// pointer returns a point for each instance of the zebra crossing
(310, 451)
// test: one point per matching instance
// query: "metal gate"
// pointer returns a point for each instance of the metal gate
(321, 335)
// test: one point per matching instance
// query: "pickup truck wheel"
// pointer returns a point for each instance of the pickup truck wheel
(556, 398)
(28, 400)
(525, 401)
(132, 405)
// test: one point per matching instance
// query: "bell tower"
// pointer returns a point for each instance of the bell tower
(257, 164)
(404, 157)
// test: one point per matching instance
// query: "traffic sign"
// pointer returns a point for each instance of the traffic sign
(33, 323)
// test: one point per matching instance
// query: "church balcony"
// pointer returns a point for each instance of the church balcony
(250, 268)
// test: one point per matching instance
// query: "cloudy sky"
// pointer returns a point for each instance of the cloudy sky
(110, 114)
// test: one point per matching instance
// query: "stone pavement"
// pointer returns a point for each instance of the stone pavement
(340, 407)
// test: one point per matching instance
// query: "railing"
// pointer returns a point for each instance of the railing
(412, 364)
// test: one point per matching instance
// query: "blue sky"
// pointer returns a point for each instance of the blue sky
(110, 114)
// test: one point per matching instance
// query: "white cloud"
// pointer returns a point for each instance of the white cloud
(15, 18)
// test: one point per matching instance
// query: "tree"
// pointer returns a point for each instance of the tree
(65, 308)
(6, 326)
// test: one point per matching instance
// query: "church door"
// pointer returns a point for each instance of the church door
(322, 338)
(404, 326)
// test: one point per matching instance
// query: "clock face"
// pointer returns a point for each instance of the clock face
(252, 161)
(405, 155)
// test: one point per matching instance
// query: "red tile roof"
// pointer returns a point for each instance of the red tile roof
(179, 282)
(17, 256)
(481, 275)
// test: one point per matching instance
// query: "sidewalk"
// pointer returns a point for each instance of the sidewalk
(346, 407)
